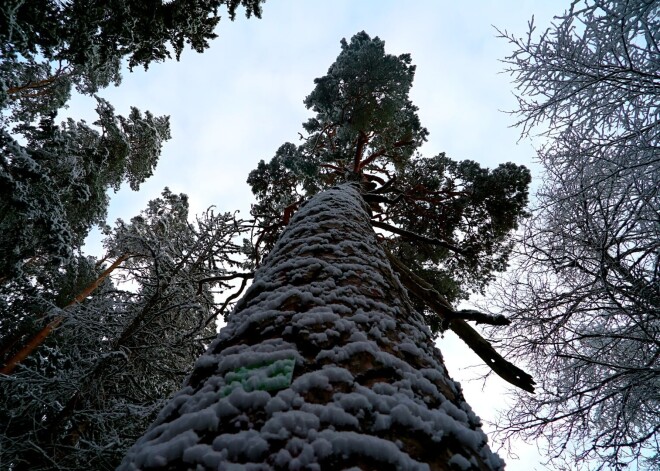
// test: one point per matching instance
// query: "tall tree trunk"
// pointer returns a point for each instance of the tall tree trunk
(368, 388)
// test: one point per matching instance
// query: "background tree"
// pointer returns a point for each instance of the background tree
(71, 404)
(54, 188)
(54, 178)
(50, 47)
(585, 297)
(96, 382)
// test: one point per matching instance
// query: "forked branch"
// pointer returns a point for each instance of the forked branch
(380, 152)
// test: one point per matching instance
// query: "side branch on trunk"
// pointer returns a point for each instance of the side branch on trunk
(480, 317)
(379, 198)
(221, 309)
(39, 85)
(245, 276)
(425, 292)
(386, 186)
(417, 237)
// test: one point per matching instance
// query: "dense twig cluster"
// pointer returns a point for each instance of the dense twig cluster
(584, 299)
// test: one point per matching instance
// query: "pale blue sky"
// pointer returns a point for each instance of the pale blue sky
(240, 100)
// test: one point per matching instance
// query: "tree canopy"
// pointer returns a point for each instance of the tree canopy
(54, 188)
(449, 221)
(447, 224)
(48, 47)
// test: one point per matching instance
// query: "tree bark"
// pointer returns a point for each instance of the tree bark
(368, 388)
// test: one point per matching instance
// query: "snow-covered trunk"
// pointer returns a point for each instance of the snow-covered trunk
(323, 365)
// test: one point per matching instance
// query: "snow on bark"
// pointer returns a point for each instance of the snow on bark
(369, 388)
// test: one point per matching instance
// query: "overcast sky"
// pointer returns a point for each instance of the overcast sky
(240, 100)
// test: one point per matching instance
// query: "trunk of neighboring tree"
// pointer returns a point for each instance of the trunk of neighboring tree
(38, 339)
(369, 389)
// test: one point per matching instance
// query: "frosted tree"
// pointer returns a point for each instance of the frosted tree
(96, 382)
(592, 77)
(328, 360)
(54, 179)
(54, 189)
(448, 222)
(585, 298)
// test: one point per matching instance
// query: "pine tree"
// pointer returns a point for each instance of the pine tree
(49, 47)
(327, 362)
(454, 219)
(450, 223)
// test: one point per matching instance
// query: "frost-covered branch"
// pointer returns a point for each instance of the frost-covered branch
(231, 276)
(96, 382)
(38, 339)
